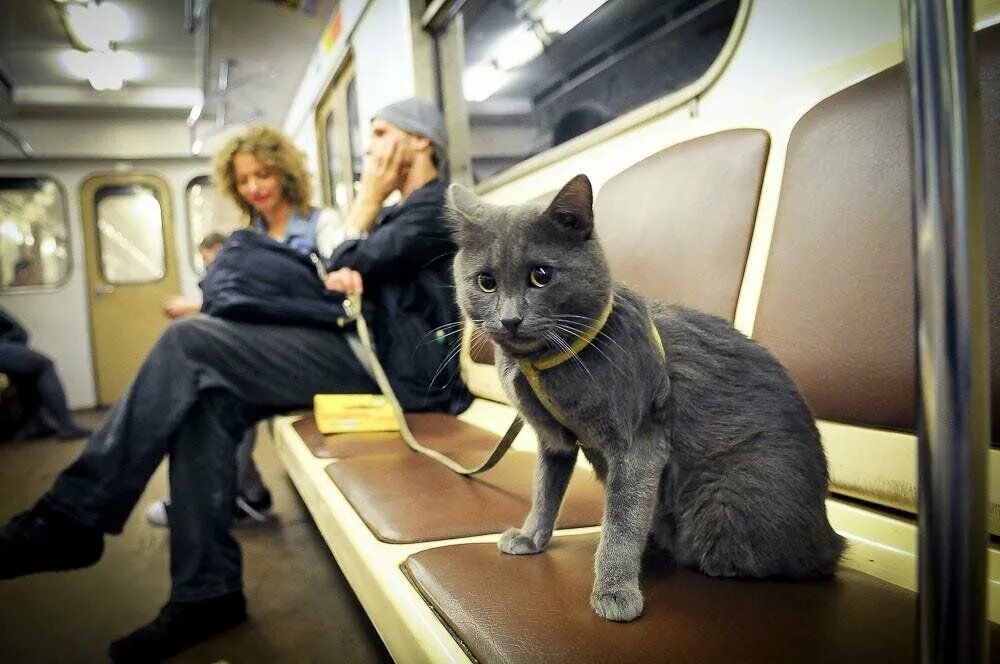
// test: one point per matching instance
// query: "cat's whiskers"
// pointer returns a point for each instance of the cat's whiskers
(594, 343)
(589, 327)
(561, 343)
(448, 358)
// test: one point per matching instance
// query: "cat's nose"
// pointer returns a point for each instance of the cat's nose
(511, 323)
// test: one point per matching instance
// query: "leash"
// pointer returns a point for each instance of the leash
(531, 370)
(352, 310)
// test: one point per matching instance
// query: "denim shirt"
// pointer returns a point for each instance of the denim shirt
(300, 233)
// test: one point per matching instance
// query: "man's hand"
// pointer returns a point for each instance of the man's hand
(382, 174)
(178, 307)
(344, 280)
(382, 171)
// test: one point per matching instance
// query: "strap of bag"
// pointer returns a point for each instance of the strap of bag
(352, 308)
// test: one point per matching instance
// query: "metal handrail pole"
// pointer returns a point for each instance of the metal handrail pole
(951, 329)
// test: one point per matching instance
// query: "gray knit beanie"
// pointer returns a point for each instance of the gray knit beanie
(416, 116)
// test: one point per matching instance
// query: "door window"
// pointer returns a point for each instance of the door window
(130, 234)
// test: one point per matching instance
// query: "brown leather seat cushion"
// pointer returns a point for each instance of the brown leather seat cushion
(438, 431)
(677, 225)
(536, 609)
(408, 497)
(836, 305)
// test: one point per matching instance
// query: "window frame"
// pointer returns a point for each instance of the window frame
(88, 204)
(439, 20)
(333, 103)
(70, 258)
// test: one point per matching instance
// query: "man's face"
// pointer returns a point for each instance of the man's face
(384, 136)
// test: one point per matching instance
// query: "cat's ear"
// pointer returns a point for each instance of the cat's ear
(462, 209)
(573, 208)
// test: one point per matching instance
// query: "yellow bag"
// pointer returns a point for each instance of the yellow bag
(346, 413)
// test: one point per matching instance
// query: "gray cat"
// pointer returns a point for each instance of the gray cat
(705, 446)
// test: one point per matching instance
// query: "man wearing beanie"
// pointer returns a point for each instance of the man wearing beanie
(209, 378)
(407, 150)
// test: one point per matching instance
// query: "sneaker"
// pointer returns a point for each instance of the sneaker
(42, 540)
(157, 515)
(179, 626)
(245, 511)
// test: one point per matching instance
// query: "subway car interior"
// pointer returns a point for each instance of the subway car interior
(795, 205)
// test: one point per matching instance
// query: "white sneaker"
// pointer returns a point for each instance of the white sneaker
(156, 513)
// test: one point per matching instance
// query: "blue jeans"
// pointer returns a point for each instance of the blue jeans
(204, 382)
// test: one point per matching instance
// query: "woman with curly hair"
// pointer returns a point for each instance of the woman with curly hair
(265, 175)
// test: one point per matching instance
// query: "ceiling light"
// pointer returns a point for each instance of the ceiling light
(561, 16)
(106, 70)
(479, 82)
(96, 26)
(516, 48)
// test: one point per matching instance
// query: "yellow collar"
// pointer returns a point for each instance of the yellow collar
(581, 342)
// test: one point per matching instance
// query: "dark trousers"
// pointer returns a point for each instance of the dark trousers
(204, 382)
(32, 368)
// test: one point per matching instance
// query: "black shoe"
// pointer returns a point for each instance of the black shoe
(180, 625)
(246, 511)
(42, 540)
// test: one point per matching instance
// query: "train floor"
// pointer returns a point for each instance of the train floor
(301, 606)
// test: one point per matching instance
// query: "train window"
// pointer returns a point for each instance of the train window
(34, 243)
(339, 131)
(130, 233)
(355, 139)
(540, 73)
(208, 212)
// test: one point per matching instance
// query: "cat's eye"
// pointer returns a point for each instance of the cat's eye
(486, 282)
(540, 276)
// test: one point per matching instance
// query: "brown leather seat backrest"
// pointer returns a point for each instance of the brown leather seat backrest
(677, 225)
(837, 300)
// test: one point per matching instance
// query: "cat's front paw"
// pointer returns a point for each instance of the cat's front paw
(619, 604)
(517, 543)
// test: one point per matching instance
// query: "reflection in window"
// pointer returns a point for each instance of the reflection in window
(130, 233)
(541, 72)
(334, 170)
(34, 249)
(209, 212)
(354, 134)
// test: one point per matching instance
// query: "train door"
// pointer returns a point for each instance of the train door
(131, 268)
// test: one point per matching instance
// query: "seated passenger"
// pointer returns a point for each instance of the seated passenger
(253, 500)
(35, 373)
(179, 306)
(207, 379)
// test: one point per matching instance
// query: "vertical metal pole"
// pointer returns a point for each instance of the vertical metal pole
(952, 330)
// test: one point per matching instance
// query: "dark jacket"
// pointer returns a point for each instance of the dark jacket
(11, 330)
(406, 267)
(255, 279)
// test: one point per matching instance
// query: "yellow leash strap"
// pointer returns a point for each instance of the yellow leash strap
(352, 309)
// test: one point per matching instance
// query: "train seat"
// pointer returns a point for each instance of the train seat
(406, 498)
(536, 609)
(836, 304)
(836, 307)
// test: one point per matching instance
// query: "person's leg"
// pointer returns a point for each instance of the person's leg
(24, 367)
(52, 398)
(205, 566)
(248, 481)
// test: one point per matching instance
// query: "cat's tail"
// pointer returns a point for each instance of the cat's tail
(831, 547)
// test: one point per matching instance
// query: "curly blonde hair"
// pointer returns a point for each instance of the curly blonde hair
(277, 151)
